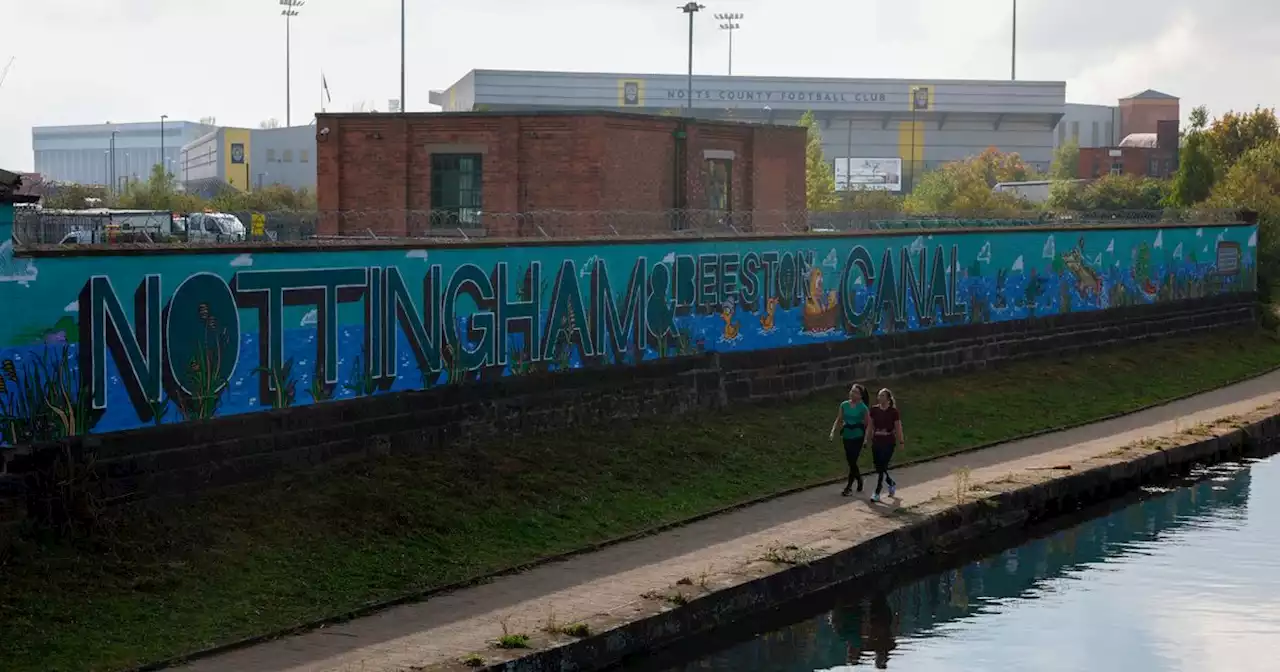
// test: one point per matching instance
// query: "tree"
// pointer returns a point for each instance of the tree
(1230, 136)
(269, 123)
(820, 181)
(1195, 177)
(1066, 161)
(1199, 118)
(1253, 183)
(1000, 167)
(1123, 192)
(964, 188)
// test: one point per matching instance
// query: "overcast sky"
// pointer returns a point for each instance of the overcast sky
(92, 61)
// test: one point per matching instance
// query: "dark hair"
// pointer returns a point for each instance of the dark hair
(862, 393)
(893, 403)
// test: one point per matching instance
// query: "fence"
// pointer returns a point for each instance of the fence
(38, 228)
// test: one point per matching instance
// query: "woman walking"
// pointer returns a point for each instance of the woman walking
(886, 434)
(853, 416)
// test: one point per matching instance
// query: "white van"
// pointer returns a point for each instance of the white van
(214, 227)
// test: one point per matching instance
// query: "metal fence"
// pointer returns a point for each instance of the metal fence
(36, 228)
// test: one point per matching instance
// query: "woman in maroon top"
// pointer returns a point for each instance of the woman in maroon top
(886, 434)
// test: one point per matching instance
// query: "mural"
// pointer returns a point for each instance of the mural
(96, 344)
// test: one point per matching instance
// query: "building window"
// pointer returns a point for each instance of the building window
(1117, 168)
(304, 156)
(1153, 168)
(720, 185)
(288, 156)
(271, 156)
(455, 189)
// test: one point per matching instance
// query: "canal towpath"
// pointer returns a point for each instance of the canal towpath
(612, 580)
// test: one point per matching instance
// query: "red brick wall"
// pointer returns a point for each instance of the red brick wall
(1134, 161)
(1140, 116)
(373, 172)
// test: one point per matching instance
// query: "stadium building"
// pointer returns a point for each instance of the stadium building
(83, 154)
(878, 133)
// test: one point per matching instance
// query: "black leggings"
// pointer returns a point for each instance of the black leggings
(852, 450)
(881, 454)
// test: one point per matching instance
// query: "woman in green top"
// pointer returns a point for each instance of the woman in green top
(853, 415)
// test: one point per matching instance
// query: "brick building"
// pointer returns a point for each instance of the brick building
(484, 172)
(1139, 155)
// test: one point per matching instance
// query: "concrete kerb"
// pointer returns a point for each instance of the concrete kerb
(375, 607)
(934, 533)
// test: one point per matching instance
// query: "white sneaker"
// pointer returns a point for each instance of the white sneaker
(875, 497)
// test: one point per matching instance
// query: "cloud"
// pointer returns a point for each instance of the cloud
(311, 319)
(669, 259)
(242, 260)
(586, 268)
(917, 245)
(1200, 233)
(416, 254)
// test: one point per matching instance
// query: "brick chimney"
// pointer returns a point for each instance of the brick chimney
(1167, 134)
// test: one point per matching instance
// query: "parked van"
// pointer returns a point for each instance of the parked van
(213, 227)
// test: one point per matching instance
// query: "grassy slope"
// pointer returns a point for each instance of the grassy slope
(255, 559)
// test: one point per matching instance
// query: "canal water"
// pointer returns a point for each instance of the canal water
(1185, 578)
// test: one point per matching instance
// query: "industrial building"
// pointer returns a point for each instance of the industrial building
(83, 154)
(879, 133)
(1107, 126)
(476, 172)
(244, 158)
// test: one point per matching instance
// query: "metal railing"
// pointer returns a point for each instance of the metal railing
(36, 228)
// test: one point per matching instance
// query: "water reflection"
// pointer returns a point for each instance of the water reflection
(1186, 579)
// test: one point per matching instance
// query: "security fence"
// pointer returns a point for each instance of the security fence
(50, 228)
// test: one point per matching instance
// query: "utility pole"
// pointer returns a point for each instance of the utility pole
(730, 24)
(690, 8)
(290, 10)
(402, 106)
(164, 166)
(1013, 63)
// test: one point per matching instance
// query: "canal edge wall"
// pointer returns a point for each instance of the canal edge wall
(668, 620)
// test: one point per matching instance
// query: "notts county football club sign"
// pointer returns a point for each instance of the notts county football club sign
(766, 97)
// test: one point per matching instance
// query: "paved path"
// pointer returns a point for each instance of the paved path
(611, 581)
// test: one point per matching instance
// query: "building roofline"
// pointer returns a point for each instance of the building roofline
(568, 112)
(778, 78)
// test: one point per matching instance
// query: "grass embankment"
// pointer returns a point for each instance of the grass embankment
(259, 558)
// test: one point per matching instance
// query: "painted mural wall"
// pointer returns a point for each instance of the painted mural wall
(103, 343)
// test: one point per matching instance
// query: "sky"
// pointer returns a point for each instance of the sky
(94, 61)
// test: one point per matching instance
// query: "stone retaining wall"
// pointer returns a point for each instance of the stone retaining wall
(965, 523)
(179, 459)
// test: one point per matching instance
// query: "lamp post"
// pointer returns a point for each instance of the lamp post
(113, 161)
(290, 10)
(690, 8)
(1013, 56)
(730, 24)
(402, 107)
(164, 166)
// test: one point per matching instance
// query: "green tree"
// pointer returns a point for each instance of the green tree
(1195, 177)
(1123, 192)
(997, 166)
(1253, 183)
(1066, 161)
(820, 180)
(963, 188)
(74, 197)
(1231, 135)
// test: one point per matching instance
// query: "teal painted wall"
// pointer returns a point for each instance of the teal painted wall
(102, 343)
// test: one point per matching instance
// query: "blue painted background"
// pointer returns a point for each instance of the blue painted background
(996, 276)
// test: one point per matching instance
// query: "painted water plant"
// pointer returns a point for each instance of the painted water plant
(283, 388)
(42, 398)
(205, 381)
